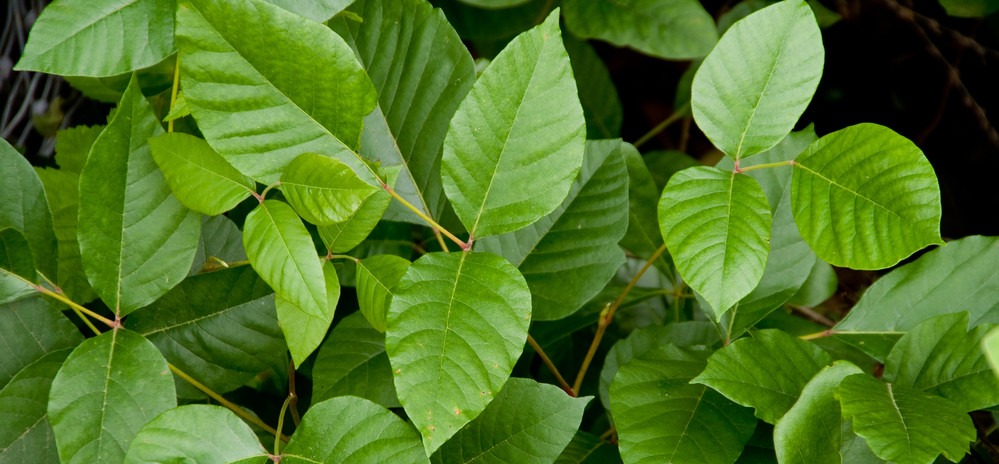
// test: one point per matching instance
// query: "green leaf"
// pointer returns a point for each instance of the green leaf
(677, 30)
(248, 99)
(660, 417)
(196, 433)
(752, 88)
(588, 449)
(73, 146)
(597, 94)
(352, 362)
(99, 38)
(29, 329)
(376, 277)
(305, 331)
(25, 433)
(456, 326)
(990, 345)
(62, 189)
(323, 190)
(26, 209)
(961, 276)
(199, 177)
(528, 422)
(516, 143)
(354, 430)
(136, 240)
(17, 266)
(569, 255)
(421, 71)
(497, 26)
(902, 425)
(865, 197)
(941, 356)
(815, 414)
(766, 372)
(821, 285)
(969, 8)
(643, 237)
(218, 327)
(108, 388)
(178, 109)
(716, 225)
(319, 11)
(220, 238)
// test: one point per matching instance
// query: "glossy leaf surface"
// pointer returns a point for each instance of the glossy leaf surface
(195, 433)
(352, 362)
(456, 325)
(200, 178)
(376, 277)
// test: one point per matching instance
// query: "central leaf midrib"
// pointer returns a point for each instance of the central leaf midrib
(447, 323)
(287, 249)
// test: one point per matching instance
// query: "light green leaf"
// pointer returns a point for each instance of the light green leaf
(569, 255)
(199, 177)
(961, 276)
(902, 425)
(345, 236)
(26, 209)
(597, 94)
(107, 389)
(323, 190)
(178, 109)
(17, 266)
(815, 414)
(305, 331)
(588, 449)
(352, 361)
(376, 277)
(643, 237)
(25, 433)
(660, 417)
(421, 71)
(29, 329)
(516, 143)
(677, 30)
(456, 326)
(865, 197)
(941, 356)
(752, 88)
(766, 371)
(319, 11)
(716, 225)
(220, 238)
(990, 345)
(99, 38)
(528, 422)
(196, 433)
(248, 99)
(219, 327)
(136, 240)
(970, 8)
(354, 430)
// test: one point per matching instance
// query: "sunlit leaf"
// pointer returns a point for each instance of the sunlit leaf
(195, 433)
(316, 10)
(323, 190)
(198, 176)
(303, 330)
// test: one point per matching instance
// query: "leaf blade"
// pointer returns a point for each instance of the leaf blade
(193, 433)
(198, 176)
(323, 190)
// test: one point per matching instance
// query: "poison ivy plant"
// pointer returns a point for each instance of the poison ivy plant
(357, 244)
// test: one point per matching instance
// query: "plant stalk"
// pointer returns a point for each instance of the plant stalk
(551, 366)
(679, 113)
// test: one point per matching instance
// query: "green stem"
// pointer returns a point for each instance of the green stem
(348, 257)
(173, 92)
(277, 437)
(77, 308)
(464, 246)
(551, 366)
(679, 113)
(822, 334)
(263, 195)
(766, 165)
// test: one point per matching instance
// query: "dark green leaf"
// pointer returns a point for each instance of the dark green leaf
(352, 361)
(26, 209)
(588, 449)
(597, 94)
(970, 8)
(29, 329)
(376, 277)
(17, 266)
(196, 433)
(820, 285)
(25, 433)
(200, 178)
(221, 239)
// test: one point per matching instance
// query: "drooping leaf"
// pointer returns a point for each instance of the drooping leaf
(247, 97)
(941, 356)
(569, 255)
(954, 278)
(221, 239)
(218, 327)
(421, 72)
(323, 190)
(597, 94)
(675, 30)
(196, 433)
(25, 433)
(26, 209)
(376, 276)
(716, 225)
(352, 362)
(319, 11)
(903, 425)
(865, 197)
(661, 417)
(355, 430)
(815, 414)
(200, 178)
(752, 88)
(766, 371)
(136, 240)
(29, 329)
(516, 143)
(305, 331)
(528, 422)
(131, 34)
(456, 326)
(588, 449)
(17, 266)
(107, 389)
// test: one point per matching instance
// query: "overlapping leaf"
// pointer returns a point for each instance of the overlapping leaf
(25, 433)
(456, 326)
(569, 255)
(131, 34)
(865, 197)
(588, 449)
(716, 225)
(17, 267)
(193, 433)
(221, 240)
(516, 143)
(753, 87)
(643, 237)
(303, 330)
(26, 209)
(528, 422)
(136, 240)
(199, 177)
(317, 10)
(30, 329)
(674, 30)
(597, 94)
(323, 190)
(107, 389)
(242, 67)
(376, 276)
(352, 361)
